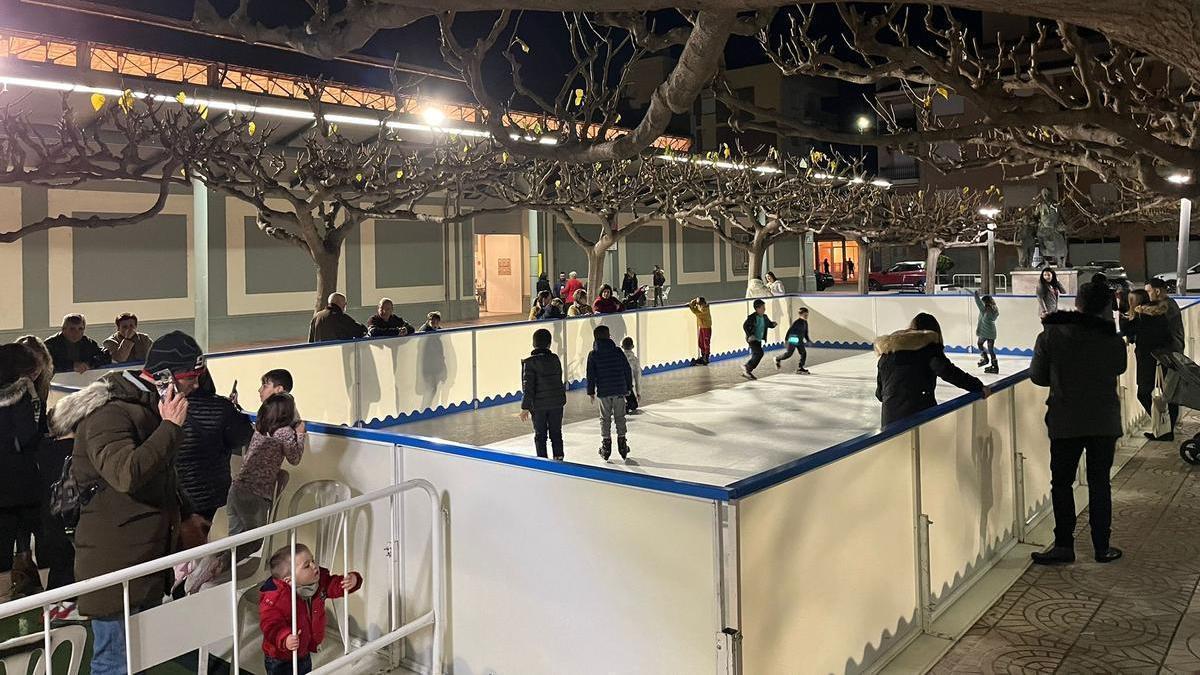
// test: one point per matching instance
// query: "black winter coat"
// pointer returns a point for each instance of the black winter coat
(66, 354)
(910, 362)
(213, 431)
(332, 324)
(799, 328)
(1079, 357)
(1149, 329)
(542, 381)
(377, 326)
(20, 434)
(608, 372)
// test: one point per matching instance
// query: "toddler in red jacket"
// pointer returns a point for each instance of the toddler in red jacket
(313, 585)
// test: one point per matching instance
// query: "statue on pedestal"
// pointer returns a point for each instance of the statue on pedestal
(1051, 235)
(1026, 243)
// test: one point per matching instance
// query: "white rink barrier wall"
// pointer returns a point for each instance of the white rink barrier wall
(830, 563)
(382, 382)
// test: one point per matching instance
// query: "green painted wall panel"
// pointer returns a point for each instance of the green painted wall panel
(133, 262)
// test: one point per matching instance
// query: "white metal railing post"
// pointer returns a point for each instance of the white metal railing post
(46, 642)
(296, 651)
(125, 622)
(233, 605)
(345, 596)
(1018, 468)
(921, 525)
(438, 581)
(475, 369)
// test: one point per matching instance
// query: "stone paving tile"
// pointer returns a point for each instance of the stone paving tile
(1138, 615)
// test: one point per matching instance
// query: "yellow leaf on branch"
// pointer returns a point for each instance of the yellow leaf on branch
(943, 92)
(251, 127)
(578, 97)
(97, 102)
(181, 98)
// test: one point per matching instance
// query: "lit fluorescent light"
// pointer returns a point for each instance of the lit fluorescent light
(989, 212)
(858, 180)
(881, 183)
(1179, 178)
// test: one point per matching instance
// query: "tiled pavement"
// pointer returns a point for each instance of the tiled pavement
(1138, 615)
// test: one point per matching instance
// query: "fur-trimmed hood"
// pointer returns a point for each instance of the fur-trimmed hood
(120, 385)
(13, 392)
(907, 340)
(1068, 317)
(1152, 309)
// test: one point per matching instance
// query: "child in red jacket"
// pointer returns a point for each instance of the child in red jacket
(313, 585)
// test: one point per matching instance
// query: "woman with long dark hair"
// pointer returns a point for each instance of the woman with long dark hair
(910, 363)
(1048, 290)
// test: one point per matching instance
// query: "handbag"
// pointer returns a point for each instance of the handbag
(1160, 416)
(68, 496)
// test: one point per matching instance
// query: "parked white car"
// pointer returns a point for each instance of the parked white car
(1193, 279)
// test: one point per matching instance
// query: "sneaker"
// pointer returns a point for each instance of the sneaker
(1055, 556)
(778, 363)
(748, 375)
(1108, 555)
(992, 370)
(605, 449)
(622, 447)
(802, 371)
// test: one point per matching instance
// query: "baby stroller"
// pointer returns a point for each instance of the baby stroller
(1181, 385)
(636, 299)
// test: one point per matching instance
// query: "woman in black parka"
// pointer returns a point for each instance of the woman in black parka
(214, 430)
(910, 362)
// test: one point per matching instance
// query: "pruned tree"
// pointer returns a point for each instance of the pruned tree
(1057, 97)
(123, 140)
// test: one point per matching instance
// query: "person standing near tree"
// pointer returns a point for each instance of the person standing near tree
(1079, 356)
(659, 281)
(573, 284)
(774, 285)
(756, 326)
(825, 264)
(910, 363)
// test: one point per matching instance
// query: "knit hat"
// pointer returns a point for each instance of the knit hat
(177, 352)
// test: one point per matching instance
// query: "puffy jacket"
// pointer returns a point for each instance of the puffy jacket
(579, 309)
(213, 431)
(332, 323)
(393, 326)
(570, 288)
(1079, 356)
(542, 381)
(275, 614)
(985, 327)
(910, 362)
(1149, 329)
(1175, 321)
(128, 451)
(608, 371)
(799, 328)
(703, 314)
(20, 434)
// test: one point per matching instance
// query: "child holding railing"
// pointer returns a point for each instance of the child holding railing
(312, 585)
(278, 435)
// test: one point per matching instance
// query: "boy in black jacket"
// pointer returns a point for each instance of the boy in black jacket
(756, 326)
(609, 377)
(543, 394)
(797, 336)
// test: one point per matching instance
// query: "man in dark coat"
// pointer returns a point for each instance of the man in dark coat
(1079, 356)
(332, 323)
(386, 323)
(543, 394)
(910, 363)
(610, 379)
(128, 427)
(1157, 288)
(74, 351)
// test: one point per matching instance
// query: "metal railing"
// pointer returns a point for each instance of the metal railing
(434, 618)
(975, 281)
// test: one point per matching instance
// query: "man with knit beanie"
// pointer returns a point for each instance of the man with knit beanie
(128, 426)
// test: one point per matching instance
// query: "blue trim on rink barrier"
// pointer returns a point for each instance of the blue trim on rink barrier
(771, 477)
(603, 474)
(428, 413)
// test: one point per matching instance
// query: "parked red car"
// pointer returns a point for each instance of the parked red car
(903, 275)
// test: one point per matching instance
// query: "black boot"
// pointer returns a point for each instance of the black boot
(1169, 436)
(622, 447)
(1109, 554)
(1056, 556)
(605, 449)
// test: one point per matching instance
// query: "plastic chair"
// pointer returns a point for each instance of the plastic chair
(15, 654)
(323, 493)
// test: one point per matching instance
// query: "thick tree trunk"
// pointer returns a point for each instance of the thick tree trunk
(596, 257)
(934, 252)
(327, 275)
(862, 267)
(758, 255)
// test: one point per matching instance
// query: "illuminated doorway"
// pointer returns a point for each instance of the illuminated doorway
(839, 258)
(499, 273)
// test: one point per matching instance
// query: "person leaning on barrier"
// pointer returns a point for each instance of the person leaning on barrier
(1079, 356)
(386, 323)
(579, 304)
(74, 351)
(128, 427)
(1157, 288)
(910, 363)
(127, 345)
(433, 323)
(332, 323)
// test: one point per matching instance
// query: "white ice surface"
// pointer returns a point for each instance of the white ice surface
(722, 436)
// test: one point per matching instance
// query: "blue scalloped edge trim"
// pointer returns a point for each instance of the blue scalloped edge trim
(1000, 351)
(501, 399)
(838, 344)
(428, 413)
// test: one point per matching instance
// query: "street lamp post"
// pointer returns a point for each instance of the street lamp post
(863, 124)
(1185, 234)
(988, 282)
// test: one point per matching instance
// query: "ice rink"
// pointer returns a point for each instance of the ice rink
(721, 436)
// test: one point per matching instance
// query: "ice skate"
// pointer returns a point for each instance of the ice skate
(605, 449)
(622, 447)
